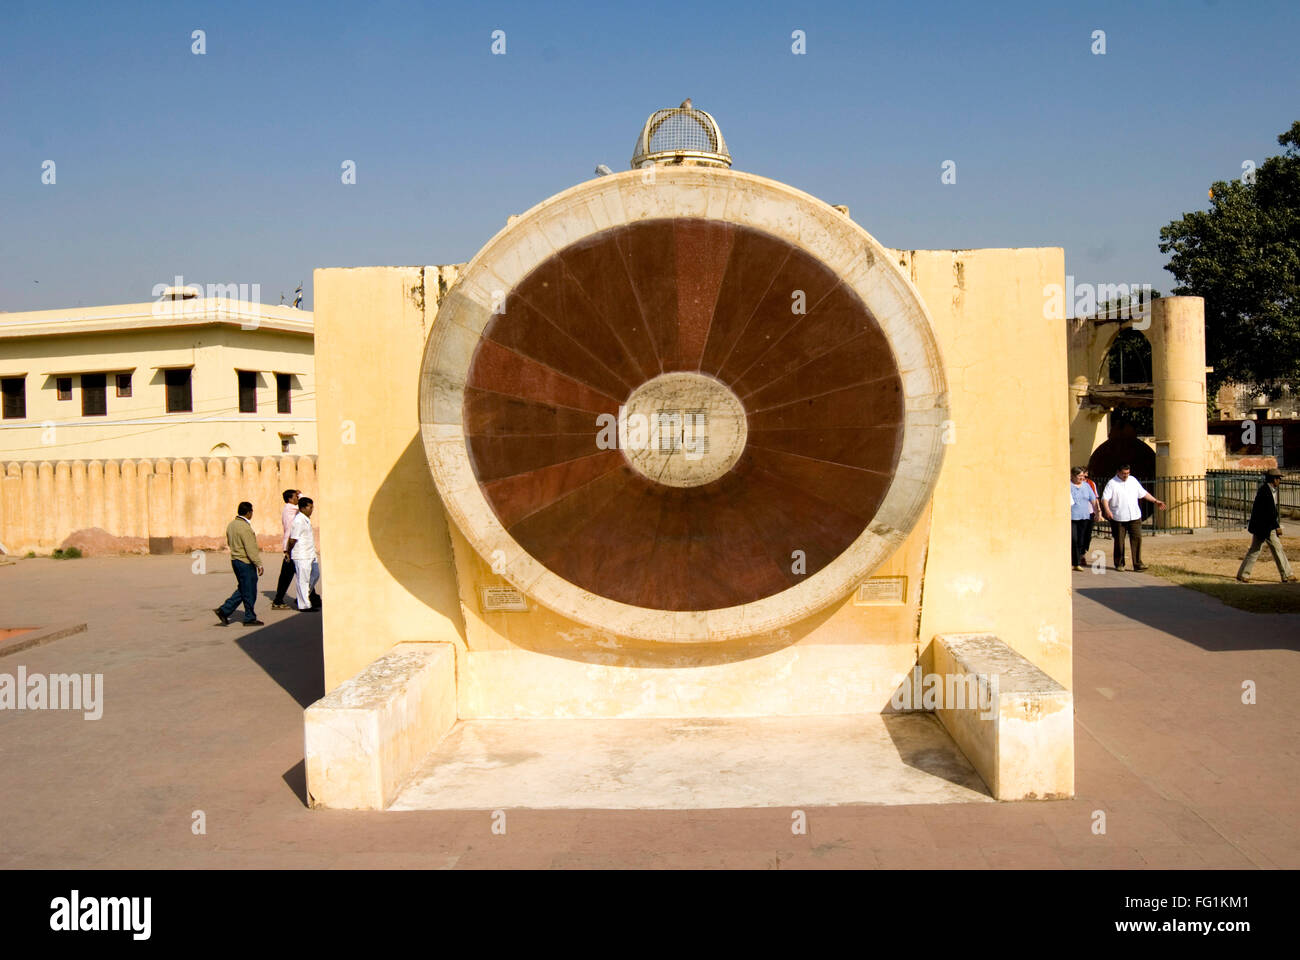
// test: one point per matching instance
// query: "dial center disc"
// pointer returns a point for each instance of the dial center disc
(682, 429)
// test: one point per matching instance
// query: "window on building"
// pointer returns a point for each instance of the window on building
(282, 402)
(1271, 441)
(14, 390)
(124, 384)
(64, 387)
(94, 395)
(247, 391)
(179, 399)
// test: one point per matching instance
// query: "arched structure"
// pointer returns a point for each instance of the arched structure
(1175, 328)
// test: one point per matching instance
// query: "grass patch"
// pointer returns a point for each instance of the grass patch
(72, 553)
(1258, 597)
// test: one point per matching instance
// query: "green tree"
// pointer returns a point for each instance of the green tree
(1243, 256)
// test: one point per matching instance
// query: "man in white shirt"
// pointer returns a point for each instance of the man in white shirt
(286, 565)
(301, 548)
(1121, 502)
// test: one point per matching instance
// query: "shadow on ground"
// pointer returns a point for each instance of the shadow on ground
(296, 778)
(289, 650)
(923, 744)
(1197, 618)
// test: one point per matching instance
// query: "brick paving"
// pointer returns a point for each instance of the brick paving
(201, 717)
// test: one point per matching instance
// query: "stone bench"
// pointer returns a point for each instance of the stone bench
(365, 738)
(1020, 735)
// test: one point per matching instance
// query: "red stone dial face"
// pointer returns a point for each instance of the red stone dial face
(773, 405)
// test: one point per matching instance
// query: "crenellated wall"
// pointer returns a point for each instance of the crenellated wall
(158, 506)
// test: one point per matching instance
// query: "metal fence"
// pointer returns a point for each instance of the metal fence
(1220, 500)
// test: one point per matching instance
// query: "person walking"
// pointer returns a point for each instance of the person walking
(246, 559)
(1087, 541)
(1121, 502)
(286, 564)
(1265, 526)
(1083, 510)
(301, 548)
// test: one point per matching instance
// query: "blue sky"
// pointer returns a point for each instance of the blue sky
(225, 168)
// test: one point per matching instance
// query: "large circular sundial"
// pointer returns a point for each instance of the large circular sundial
(690, 407)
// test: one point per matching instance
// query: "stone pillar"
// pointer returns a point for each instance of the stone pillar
(250, 487)
(181, 508)
(287, 478)
(1087, 424)
(215, 508)
(306, 474)
(31, 505)
(45, 504)
(143, 476)
(1177, 337)
(201, 523)
(270, 503)
(113, 498)
(158, 494)
(14, 534)
(130, 520)
(61, 505)
(79, 512)
(231, 487)
(95, 494)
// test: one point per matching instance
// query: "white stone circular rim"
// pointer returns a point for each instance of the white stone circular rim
(699, 453)
(744, 199)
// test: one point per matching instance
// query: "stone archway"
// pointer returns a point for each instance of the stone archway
(1123, 446)
(1129, 360)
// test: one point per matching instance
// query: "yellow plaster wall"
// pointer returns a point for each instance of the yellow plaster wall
(387, 564)
(185, 502)
(1000, 530)
(848, 658)
(403, 574)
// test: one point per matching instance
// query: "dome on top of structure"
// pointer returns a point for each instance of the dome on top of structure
(681, 135)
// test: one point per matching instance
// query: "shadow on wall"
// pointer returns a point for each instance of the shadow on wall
(589, 645)
(410, 538)
(411, 559)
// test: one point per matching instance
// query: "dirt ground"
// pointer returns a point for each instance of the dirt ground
(1209, 564)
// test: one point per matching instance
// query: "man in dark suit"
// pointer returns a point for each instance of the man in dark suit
(1265, 526)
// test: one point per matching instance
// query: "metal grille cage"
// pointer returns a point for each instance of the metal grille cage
(681, 135)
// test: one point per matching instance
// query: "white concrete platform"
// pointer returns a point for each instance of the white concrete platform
(698, 763)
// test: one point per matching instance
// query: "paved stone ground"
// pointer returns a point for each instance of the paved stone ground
(694, 763)
(200, 717)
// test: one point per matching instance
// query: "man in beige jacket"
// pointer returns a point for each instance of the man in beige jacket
(246, 559)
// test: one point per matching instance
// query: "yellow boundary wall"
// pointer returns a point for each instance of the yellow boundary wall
(144, 503)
